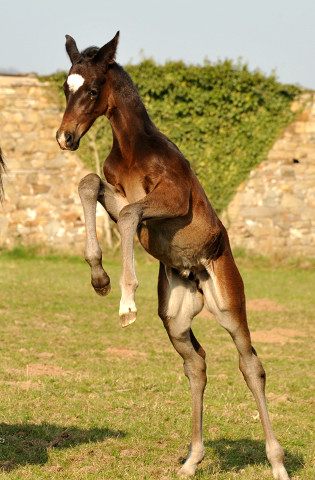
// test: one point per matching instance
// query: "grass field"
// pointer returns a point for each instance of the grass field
(82, 398)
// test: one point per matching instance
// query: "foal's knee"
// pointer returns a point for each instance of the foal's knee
(89, 186)
(129, 217)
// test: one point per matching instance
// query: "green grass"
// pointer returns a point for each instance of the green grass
(82, 398)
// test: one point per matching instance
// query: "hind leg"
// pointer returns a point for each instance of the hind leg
(179, 302)
(224, 296)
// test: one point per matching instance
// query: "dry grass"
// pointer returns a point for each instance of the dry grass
(82, 398)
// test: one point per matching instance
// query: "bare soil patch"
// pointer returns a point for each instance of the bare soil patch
(124, 352)
(24, 385)
(257, 304)
(278, 398)
(277, 335)
(264, 305)
(38, 369)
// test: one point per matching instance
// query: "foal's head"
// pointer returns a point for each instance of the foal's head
(86, 91)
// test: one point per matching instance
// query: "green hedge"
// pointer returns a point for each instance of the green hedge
(223, 117)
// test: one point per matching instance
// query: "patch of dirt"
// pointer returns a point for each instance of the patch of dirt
(124, 352)
(128, 452)
(277, 335)
(278, 398)
(39, 369)
(45, 355)
(63, 316)
(264, 305)
(28, 385)
(257, 304)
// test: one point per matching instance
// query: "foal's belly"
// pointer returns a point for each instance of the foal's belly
(180, 247)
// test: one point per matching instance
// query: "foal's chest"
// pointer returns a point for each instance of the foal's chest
(128, 181)
(133, 187)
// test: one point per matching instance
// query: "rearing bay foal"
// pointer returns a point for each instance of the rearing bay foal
(150, 190)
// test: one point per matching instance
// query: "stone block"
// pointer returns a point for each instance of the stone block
(272, 199)
(52, 228)
(58, 161)
(292, 203)
(32, 201)
(40, 189)
(4, 225)
(285, 171)
(300, 127)
(255, 212)
(310, 127)
(280, 155)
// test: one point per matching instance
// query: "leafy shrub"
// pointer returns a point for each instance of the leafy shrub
(223, 117)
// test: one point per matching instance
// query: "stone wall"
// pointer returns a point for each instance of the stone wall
(274, 211)
(42, 203)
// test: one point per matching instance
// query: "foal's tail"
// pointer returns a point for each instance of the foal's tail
(2, 171)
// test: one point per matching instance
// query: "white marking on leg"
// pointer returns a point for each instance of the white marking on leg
(127, 307)
(75, 81)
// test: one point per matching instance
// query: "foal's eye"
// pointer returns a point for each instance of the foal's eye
(93, 93)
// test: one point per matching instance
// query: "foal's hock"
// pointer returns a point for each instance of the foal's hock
(151, 190)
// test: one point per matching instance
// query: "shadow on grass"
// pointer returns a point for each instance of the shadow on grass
(234, 455)
(28, 444)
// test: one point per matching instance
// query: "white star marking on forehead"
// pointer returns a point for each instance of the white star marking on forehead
(75, 81)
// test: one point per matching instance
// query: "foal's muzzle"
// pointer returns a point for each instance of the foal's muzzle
(67, 140)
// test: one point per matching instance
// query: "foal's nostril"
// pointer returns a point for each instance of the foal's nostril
(69, 139)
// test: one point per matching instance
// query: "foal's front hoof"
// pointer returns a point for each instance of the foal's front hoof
(100, 281)
(127, 318)
(102, 291)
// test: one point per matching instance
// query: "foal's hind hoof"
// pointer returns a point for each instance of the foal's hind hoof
(186, 473)
(127, 318)
(103, 291)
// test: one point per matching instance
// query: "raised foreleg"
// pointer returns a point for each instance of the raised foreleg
(224, 296)
(93, 189)
(155, 206)
(179, 301)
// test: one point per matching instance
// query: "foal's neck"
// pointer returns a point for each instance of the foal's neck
(128, 116)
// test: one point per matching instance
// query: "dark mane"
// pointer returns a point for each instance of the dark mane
(88, 53)
(128, 91)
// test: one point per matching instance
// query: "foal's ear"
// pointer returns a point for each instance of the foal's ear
(72, 49)
(107, 54)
